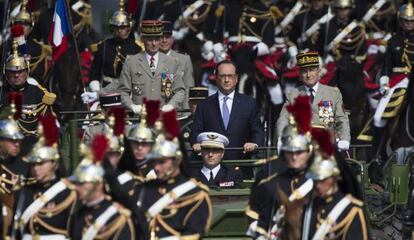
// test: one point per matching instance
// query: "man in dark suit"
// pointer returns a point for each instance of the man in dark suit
(213, 173)
(229, 113)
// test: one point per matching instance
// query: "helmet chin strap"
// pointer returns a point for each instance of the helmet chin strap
(333, 189)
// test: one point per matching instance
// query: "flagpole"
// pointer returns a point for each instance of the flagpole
(75, 43)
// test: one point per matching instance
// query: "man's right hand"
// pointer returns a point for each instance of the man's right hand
(197, 147)
(88, 97)
(136, 108)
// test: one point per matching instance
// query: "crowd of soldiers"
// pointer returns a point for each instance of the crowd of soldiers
(135, 179)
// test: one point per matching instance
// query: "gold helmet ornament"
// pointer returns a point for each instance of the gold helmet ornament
(23, 17)
(89, 169)
(166, 143)
(344, 4)
(296, 135)
(407, 11)
(9, 129)
(142, 132)
(46, 148)
(121, 18)
(16, 62)
(324, 165)
(116, 122)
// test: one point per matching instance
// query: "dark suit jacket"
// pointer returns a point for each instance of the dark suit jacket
(227, 177)
(244, 124)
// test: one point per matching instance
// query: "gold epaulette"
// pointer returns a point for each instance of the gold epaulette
(49, 98)
(355, 201)
(94, 46)
(140, 44)
(265, 180)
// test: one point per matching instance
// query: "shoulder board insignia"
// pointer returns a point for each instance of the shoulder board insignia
(139, 43)
(355, 201)
(265, 180)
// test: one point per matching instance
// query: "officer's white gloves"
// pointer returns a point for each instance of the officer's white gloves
(293, 51)
(343, 145)
(88, 97)
(167, 108)
(384, 87)
(136, 108)
(219, 52)
(207, 51)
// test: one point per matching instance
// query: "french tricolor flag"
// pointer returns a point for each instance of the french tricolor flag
(60, 30)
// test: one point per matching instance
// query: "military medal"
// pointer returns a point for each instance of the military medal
(326, 114)
(166, 84)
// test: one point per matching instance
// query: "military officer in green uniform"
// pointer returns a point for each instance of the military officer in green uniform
(37, 52)
(327, 105)
(332, 214)
(110, 55)
(151, 73)
(44, 208)
(97, 216)
(37, 101)
(166, 45)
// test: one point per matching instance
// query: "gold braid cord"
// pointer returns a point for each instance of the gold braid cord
(86, 19)
(45, 53)
(195, 200)
(119, 59)
(195, 19)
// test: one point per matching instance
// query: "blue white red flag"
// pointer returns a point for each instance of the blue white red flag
(60, 30)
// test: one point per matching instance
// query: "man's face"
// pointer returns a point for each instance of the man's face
(43, 171)
(167, 41)
(226, 78)
(165, 168)
(309, 76)
(324, 188)
(212, 156)
(151, 44)
(87, 191)
(407, 26)
(140, 150)
(121, 32)
(343, 14)
(10, 148)
(297, 160)
(318, 4)
(17, 78)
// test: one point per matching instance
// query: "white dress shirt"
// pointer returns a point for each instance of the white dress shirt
(229, 101)
(155, 59)
(206, 171)
(315, 89)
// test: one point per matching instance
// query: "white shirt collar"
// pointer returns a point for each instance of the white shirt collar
(206, 171)
(315, 88)
(155, 57)
(221, 95)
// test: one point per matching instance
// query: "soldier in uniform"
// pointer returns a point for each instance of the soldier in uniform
(44, 208)
(394, 81)
(37, 101)
(327, 105)
(13, 170)
(173, 205)
(213, 173)
(196, 94)
(151, 73)
(37, 52)
(278, 199)
(97, 216)
(166, 45)
(332, 214)
(110, 55)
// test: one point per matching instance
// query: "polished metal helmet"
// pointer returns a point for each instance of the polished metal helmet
(115, 135)
(10, 130)
(141, 132)
(293, 140)
(23, 16)
(121, 18)
(46, 148)
(407, 11)
(14, 61)
(323, 168)
(166, 149)
(344, 4)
